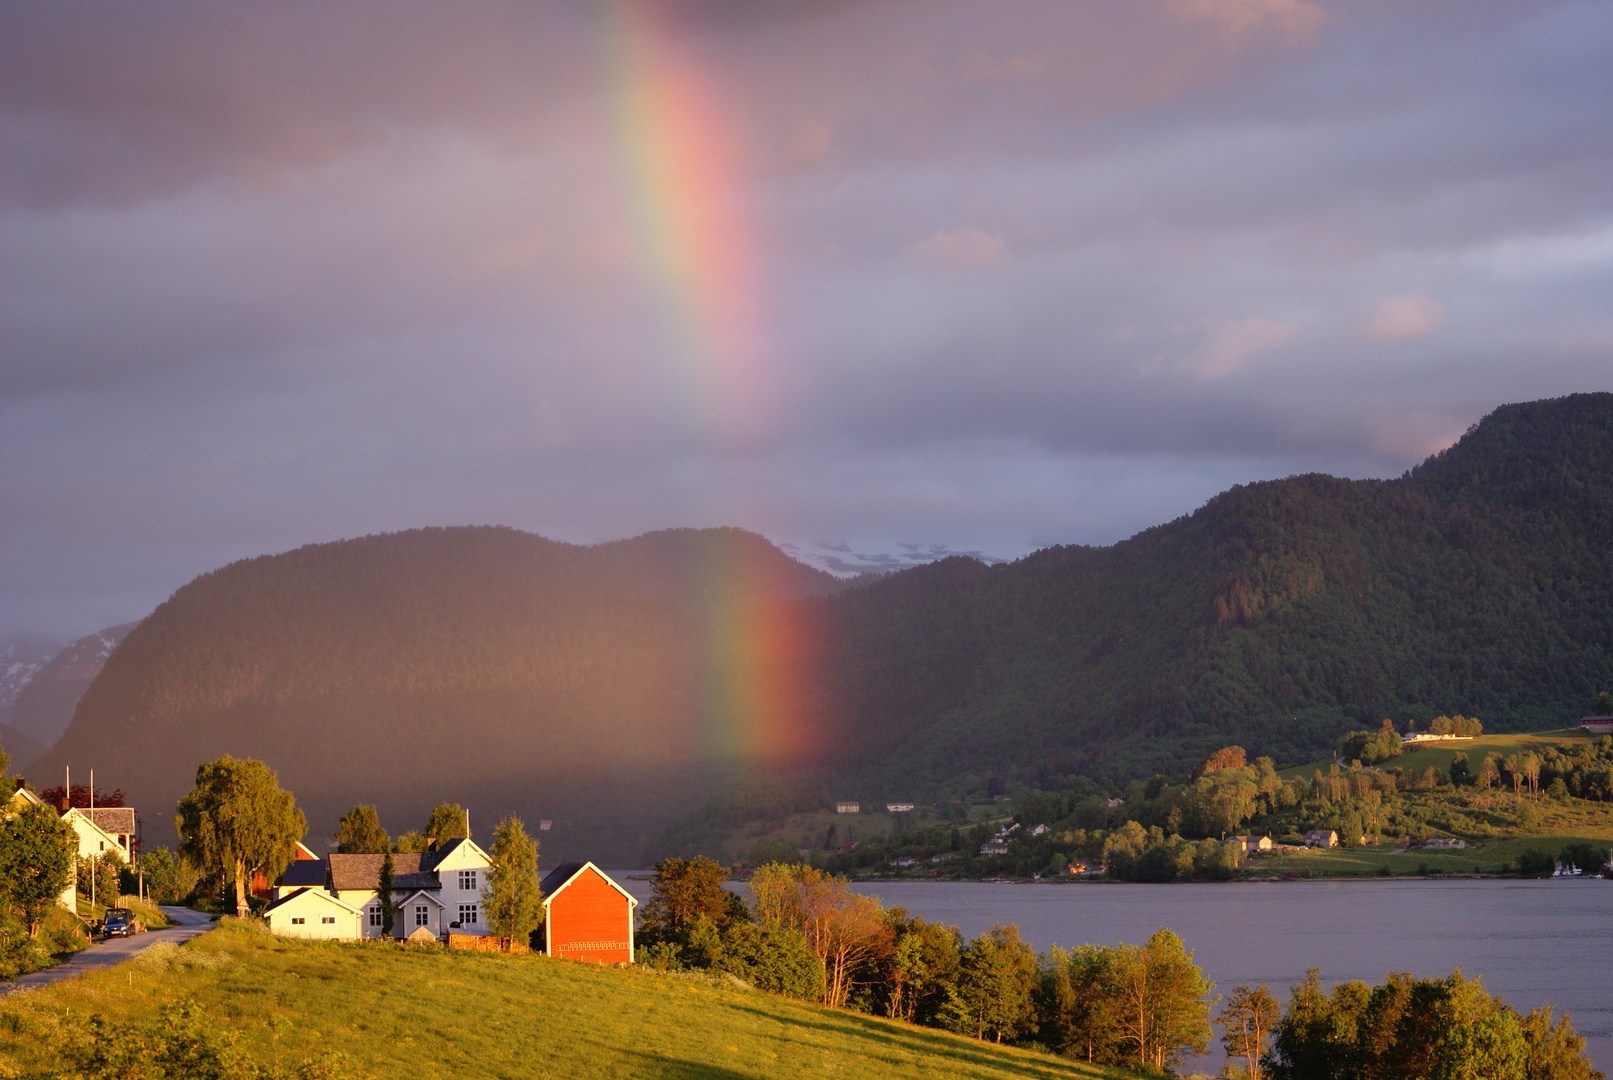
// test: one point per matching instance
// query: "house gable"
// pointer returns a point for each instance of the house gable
(314, 913)
(587, 916)
(92, 839)
(458, 854)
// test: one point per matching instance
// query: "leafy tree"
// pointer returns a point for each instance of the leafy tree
(1162, 1012)
(166, 881)
(360, 833)
(921, 970)
(1461, 772)
(996, 980)
(1247, 1020)
(412, 841)
(6, 786)
(681, 889)
(1316, 1036)
(36, 861)
(237, 821)
(383, 890)
(1490, 1048)
(849, 933)
(1556, 1051)
(1419, 1029)
(1229, 757)
(1490, 770)
(1077, 1005)
(98, 878)
(1603, 706)
(776, 960)
(447, 821)
(512, 899)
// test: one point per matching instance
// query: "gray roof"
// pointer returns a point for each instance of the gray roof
(559, 876)
(425, 879)
(353, 872)
(117, 820)
(305, 872)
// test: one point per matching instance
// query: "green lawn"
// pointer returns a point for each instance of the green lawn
(1486, 856)
(403, 1011)
(1439, 755)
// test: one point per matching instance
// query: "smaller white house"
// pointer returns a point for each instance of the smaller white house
(93, 840)
(847, 808)
(314, 913)
(995, 846)
(1321, 838)
(898, 808)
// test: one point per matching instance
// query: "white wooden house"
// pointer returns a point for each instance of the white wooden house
(440, 890)
(314, 913)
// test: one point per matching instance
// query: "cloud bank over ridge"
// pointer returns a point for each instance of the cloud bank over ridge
(856, 275)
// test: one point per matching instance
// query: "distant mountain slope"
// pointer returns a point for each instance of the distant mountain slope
(20, 659)
(22, 749)
(479, 665)
(611, 688)
(45, 705)
(1277, 615)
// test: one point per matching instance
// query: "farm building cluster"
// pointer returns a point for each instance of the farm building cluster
(437, 897)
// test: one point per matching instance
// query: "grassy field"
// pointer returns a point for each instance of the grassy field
(394, 1010)
(1438, 755)
(1488, 856)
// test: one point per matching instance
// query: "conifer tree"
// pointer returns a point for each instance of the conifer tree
(389, 909)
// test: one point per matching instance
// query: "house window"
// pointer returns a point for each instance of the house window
(329, 920)
(296, 921)
(103, 845)
(467, 915)
(420, 915)
(375, 914)
(467, 881)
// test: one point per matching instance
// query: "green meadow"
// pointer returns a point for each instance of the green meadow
(1439, 755)
(385, 1010)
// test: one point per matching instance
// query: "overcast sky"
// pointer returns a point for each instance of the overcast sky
(876, 279)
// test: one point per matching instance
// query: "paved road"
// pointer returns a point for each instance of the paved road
(188, 924)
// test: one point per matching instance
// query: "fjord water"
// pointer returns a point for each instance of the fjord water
(1533, 942)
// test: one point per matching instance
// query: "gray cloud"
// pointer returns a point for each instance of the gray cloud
(949, 279)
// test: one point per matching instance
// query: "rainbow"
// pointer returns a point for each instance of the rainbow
(683, 178)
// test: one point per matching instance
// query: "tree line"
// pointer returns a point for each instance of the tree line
(805, 934)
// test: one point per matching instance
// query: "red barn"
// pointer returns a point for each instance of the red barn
(586, 915)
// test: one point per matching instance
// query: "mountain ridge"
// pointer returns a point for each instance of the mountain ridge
(582, 684)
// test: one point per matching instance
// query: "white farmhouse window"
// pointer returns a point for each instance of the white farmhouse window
(329, 920)
(375, 914)
(420, 915)
(467, 880)
(468, 915)
(297, 920)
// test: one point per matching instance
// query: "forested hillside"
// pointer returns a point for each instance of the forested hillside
(482, 666)
(614, 687)
(1276, 616)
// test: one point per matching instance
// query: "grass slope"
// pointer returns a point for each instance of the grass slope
(405, 1011)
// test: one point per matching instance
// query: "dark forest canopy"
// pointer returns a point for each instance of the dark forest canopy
(611, 688)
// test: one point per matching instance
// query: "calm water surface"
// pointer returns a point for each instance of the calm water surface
(1533, 942)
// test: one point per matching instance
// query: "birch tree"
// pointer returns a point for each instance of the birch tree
(237, 822)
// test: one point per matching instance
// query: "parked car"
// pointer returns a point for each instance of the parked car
(120, 922)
